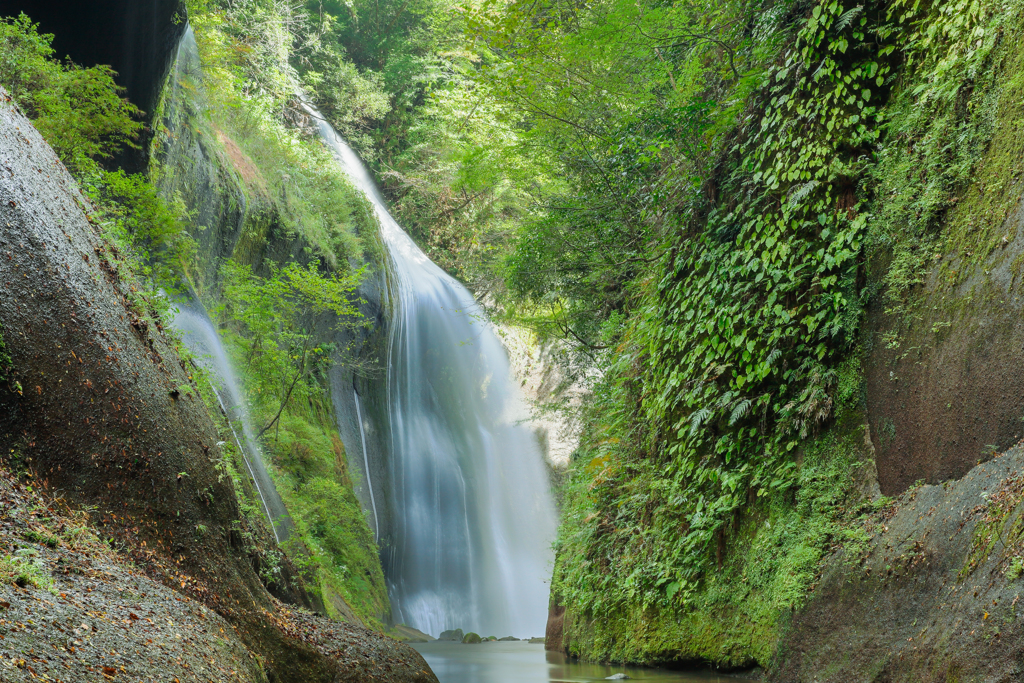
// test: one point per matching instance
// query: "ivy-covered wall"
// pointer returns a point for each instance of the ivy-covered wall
(846, 301)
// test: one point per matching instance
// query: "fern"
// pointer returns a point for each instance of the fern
(740, 411)
(847, 18)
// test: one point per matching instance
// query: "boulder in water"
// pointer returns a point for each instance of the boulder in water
(471, 639)
(617, 677)
(455, 635)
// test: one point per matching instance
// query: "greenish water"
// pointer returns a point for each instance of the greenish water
(521, 662)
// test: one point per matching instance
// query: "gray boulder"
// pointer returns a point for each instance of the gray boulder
(455, 635)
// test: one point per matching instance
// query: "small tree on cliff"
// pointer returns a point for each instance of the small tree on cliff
(285, 329)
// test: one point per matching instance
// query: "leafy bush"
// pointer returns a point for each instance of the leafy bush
(149, 231)
(285, 357)
(25, 568)
(78, 110)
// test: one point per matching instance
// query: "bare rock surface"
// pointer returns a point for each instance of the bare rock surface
(948, 395)
(935, 595)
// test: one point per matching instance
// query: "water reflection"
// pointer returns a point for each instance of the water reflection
(520, 662)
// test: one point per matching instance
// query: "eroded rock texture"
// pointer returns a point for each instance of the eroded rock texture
(933, 596)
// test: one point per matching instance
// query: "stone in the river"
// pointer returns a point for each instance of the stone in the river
(617, 677)
(471, 639)
(453, 635)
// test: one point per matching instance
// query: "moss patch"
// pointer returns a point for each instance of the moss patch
(950, 170)
(1000, 531)
(773, 556)
(313, 478)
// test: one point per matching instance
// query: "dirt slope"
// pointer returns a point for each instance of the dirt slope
(98, 615)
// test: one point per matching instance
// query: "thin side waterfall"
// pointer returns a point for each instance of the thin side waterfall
(366, 465)
(248, 466)
(201, 337)
(469, 508)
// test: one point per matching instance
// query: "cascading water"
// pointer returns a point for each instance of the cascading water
(201, 337)
(470, 508)
(366, 465)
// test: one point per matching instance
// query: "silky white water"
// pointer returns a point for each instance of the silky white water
(470, 506)
(201, 337)
(366, 465)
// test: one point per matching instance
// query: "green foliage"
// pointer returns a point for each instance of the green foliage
(150, 231)
(728, 336)
(41, 538)
(281, 319)
(738, 345)
(762, 302)
(313, 476)
(81, 114)
(79, 111)
(736, 614)
(1016, 568)
(960, 75)
(286, 357)
(25, 568)
(244, 97)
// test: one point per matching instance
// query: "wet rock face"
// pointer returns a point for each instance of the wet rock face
(933, 596)
(107, 415)
(949, 395)
(137, 38)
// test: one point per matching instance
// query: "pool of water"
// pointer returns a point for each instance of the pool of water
(521, 662)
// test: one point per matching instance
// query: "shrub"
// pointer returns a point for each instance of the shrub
(24, 569)
(78, 110)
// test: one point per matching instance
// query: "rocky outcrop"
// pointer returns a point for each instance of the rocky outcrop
(555, 629)
(933, 596)
(104, 413)
(454, 635)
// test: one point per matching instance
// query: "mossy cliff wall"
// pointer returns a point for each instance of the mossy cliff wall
(943, 370)
(239, 209)
(831, 581)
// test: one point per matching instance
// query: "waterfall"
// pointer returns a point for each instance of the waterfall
(469, 504)
(201, 338)
(366, 465)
